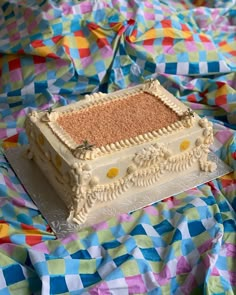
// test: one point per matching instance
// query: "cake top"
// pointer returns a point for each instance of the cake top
(105, 123)
(117, 120)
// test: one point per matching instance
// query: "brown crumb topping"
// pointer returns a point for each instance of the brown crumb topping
(118, 120)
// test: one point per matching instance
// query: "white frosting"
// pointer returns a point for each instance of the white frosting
(208, 166)
(81, 178)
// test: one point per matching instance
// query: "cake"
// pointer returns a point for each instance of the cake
(109, 146)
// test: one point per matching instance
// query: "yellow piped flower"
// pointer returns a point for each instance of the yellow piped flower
(113, 172)
(185, 144)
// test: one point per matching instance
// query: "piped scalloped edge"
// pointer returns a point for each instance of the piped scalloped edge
(144, 175)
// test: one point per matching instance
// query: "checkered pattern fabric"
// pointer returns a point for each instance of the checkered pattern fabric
(53, 52)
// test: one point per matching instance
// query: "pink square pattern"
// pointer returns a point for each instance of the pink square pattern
(136, 285)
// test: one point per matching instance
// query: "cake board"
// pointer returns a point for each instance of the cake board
(55, 212)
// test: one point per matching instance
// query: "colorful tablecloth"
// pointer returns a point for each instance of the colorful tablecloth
(52, 53)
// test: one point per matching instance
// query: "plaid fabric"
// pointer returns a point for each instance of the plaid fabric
(52, 52)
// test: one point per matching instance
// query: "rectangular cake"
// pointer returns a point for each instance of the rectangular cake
(108, 146)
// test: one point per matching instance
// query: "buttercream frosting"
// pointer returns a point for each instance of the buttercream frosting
(84, 174)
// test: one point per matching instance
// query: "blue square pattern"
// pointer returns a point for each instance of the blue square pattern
(99, 15)
(115, 274)
(213, 67)
(40, 86)
(36, 36)
(140, 19)
(183, 57)
(121, 259)
(74, 53)
(209, 200)
(100, 66)
(49, 42)
(143, 265)
(75, 24)
(223, 206)
(231, 97)
(15, 104)
(5, 291)
(24, 218)
(202, 55)
(177, 236)
(122, 50)
(5, 112)
(144, 218)
(3, 190)
(11, 124)
(16, 47)
(117, 231)
(64, 91)
(13, 274)
(174, 284)
(150, 67)
(187, 246)
(18, 238)
(171, 68)
(158, 11)
(168, 214)
(81, 254)
(8, 210)
(113, 18)
(90, 279)
(91, 240)
(138, 230)
(195, 228)
(14, 93)
(60, 251)
(42, 268)
(229, 226)
(58, 285)
(57, 28)
(156, 291)
(218, 217)
(77, 292)
(111, 245)
(169, 255)
(158, 242)
(71, 266)
(193, 68)
(60, 83)
(163, 227)
(176, 24)
(130, 244)
(204, 212)
(51, 75)
(221, 263)
(150, 254)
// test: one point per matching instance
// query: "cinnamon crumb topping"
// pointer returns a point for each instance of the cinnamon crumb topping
(118, 120)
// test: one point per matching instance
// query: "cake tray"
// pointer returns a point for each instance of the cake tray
(55, 212)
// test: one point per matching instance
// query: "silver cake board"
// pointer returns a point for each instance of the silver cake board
(55, 212)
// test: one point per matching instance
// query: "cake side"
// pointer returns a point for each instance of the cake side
(121, 169)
